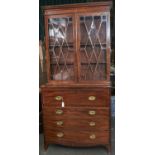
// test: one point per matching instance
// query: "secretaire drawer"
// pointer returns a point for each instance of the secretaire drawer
(77, 98)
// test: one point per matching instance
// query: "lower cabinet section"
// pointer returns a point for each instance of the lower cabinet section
(84, 121)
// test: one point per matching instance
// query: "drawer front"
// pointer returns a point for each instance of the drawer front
(77, 98)
(74, 112)
(80, 138)
(88, 124)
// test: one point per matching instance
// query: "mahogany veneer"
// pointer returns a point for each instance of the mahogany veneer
(76, 99)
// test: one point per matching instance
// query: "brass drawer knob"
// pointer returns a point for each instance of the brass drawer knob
(59, 123)
(92, 123)
(59, 112)
(93, 136)
(91, 98)
(58, 98)
(92, 112)
(60, 134)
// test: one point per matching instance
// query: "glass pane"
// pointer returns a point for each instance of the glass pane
(61, 48)
(93, 47)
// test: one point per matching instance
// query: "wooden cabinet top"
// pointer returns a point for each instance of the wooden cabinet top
(77, 5)
(68, 8)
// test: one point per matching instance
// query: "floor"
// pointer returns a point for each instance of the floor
(62, 150)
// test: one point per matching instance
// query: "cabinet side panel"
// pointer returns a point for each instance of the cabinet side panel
(47, 51)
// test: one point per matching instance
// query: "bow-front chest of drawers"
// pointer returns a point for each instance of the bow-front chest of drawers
(76, 99)
(83, 121)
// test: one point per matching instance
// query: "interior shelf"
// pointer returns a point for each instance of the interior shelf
(62, 64)
(82, 44)
(54, 63)
(82, 63)
(93, 63)
(60, 44)
(85, 22)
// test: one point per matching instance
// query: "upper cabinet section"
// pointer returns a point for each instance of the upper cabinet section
(78, 43)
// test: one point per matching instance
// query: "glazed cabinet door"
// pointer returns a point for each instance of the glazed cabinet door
(60, 48)
(94, 46)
